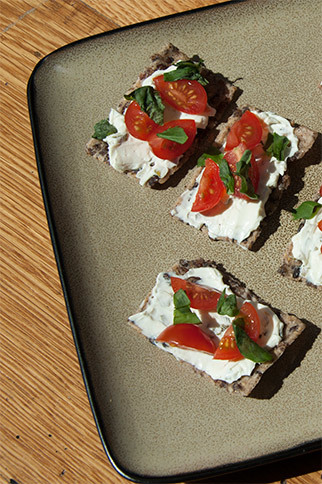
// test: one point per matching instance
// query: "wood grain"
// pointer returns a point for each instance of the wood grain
(47, 430)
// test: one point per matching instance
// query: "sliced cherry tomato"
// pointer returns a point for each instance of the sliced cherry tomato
(138, 122)
(170, 150)
(248, 130)
(320, 225)
(201, 297)
(321, 190)
(187, 336)
(252, 321)
(211, 188)
(184, 95)
(227, 349)
(232, 157)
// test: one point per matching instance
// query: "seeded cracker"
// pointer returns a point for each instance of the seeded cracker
(292, 327)
(220, 92)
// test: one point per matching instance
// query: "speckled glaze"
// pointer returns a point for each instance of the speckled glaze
(157, 417)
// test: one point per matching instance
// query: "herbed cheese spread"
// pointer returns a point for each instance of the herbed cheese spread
(240, 217)
(307, 248)
(127, 153)
(158, 314)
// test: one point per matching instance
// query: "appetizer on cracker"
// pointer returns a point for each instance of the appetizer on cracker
(240, 180)
(207, 318)
(166, 118)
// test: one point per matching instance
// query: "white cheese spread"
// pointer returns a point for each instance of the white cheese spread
(127, 153)
(158, 314)
(307, 248)
(239, 218)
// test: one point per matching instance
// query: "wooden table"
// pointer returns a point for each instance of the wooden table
(48, 432)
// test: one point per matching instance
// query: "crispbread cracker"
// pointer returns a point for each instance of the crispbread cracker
(306, 138)
(293, 327)
(220, 91)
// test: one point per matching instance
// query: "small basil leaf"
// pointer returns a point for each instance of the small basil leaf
(276, 145)
(176, 134)
(242, 170)
(182, 312)
(149, 101)
(213, 153)
(103, 128)
(227, 305)
(248, 348)
(186, 70)
(306, 210)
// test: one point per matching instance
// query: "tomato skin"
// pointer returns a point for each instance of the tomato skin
(200, 297)
(320, 225)
(232, 157)
(187, 336)
(138, 123)
(321, 190)
(227, 349)
(248, 130)
(184, 95)
(170, 150)
(211, 188)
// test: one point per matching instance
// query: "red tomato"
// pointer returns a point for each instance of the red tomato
(211, 188)
(227, 349)
(320, 225)
(232, 157)
(170, 150)
(184, 95)
(138, 122)
(321, 190)
(248, 130)
(201, 297)
(187, 336)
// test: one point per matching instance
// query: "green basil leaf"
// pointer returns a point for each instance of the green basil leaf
(276, 145)
(224, 170)
(242, 170)
(186, 70)
(306, 210)
(149, 101)
(103, 128)
(227, 305)
(182, 312)
(176, 134)
(248, 348)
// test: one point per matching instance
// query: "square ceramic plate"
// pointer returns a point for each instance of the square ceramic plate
(158, 420)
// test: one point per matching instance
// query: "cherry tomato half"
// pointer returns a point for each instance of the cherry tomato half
(200, 297)
(170, 150)
(232, 157)
(187, 336)
(138, 122)
(248, 130)
(184, 95)
(227, 349)
(211, 188)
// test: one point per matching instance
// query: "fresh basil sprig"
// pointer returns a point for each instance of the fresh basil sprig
(149, 101)
(276, 145)
(103, 128)
(242, 170)
(227, 305)
(182, 312)
(176, 134)
(224, 170)
(248, 348)
(306, 210)
(187, 70)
